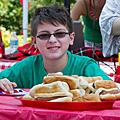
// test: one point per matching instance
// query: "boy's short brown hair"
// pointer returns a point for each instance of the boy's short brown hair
(51, 14)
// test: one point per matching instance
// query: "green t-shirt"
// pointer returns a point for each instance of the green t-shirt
(30, 71)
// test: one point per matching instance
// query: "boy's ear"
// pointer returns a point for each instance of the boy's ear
(34, 41)
(72, 36)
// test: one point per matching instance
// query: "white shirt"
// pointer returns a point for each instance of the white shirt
(110, 43)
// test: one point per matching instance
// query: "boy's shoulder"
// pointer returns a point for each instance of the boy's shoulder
(80, 59)
(78, 56)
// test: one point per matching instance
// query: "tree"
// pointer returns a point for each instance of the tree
(11, 15)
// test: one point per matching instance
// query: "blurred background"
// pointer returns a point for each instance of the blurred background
(11, 17)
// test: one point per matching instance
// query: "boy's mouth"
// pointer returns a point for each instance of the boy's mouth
(53, 48)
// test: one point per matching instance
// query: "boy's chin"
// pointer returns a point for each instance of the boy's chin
(56, 56)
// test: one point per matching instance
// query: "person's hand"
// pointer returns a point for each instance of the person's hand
(7, 86)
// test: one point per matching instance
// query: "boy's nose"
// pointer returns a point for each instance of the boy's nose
(52, 38)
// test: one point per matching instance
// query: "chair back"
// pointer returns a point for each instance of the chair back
(79, 39)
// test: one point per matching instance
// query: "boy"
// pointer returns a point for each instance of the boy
(52, 33)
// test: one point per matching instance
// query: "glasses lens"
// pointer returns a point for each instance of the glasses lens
(47, 36)
(60, 34)
(44, 36)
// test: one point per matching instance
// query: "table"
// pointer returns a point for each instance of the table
(12, 109)
(107, 69)
(6, 63)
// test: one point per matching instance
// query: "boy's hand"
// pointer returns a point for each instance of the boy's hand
(7, 86)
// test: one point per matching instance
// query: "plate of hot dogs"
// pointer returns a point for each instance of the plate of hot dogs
(74, 92)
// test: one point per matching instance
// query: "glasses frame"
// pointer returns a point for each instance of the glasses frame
(49, 35)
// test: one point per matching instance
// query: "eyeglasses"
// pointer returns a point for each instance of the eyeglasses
(58, 35)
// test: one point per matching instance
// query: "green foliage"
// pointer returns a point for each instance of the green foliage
(11, 15)
(11, 12)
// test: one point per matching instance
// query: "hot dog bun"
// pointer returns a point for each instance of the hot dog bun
(107, 84)
(88, 98)
(51, 96)
(91, 79)
(108, 94)
(83, 83)
(27, 97)
(72, 81)
(63, 99)
(49, 88)
(77, 93)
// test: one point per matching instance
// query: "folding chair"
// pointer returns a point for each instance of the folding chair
(79, 39)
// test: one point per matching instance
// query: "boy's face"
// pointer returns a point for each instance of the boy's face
(53, 47)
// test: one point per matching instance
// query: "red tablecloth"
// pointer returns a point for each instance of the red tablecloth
(12, 109)
(109, 68)
(6, 63)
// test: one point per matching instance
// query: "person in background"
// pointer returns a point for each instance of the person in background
(110, 27)
(90, 11)
(52, 33)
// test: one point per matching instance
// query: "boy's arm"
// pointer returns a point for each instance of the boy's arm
(92, 69)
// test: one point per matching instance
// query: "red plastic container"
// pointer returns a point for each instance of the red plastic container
(117, 75)
(73, 106)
